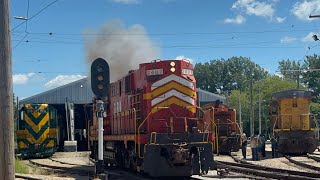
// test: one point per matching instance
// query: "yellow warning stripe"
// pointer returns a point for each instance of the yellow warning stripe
(38, 127)
(177, 101)
(169, 86)
(50, 144)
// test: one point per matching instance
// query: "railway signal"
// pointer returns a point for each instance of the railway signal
(100, 78)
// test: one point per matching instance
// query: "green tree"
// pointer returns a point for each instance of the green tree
(225, 75)
(290, 69)
(203, 75)
(311, 75)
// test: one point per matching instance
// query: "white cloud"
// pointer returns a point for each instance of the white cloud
(183, 57)
(238, 20)
(302, 10)
(280, 19)
(126, 1)
(22, 78)
(62, 80)
(287, 39)
(253, 7)
(309, 38)
(258, 8)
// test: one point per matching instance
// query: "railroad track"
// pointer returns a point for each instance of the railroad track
(73, 164)
(316, 153)
(267, 172)
(316, 158)
(23, 176)
(303, 164)
(79, 170)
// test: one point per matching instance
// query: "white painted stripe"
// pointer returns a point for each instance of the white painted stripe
(171, 93)
(172, 77)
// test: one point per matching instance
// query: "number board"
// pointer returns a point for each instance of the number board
(187, 72)
(154, 72)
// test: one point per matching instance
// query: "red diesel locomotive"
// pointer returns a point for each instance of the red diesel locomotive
(228, 130)
(151, 123)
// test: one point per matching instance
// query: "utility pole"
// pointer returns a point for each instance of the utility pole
(259, 112)
(298, 78)
(7, 169)
(240, 118)
(251, 109)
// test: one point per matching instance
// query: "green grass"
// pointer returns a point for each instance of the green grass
(21, 167)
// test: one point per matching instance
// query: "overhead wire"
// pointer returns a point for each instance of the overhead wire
(26, 29)
(242, 45)
(20, 41)
(174, 34)
(34, 15)
(48, 72)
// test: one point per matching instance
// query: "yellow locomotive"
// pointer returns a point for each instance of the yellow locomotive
(37, 133)
(292, 123)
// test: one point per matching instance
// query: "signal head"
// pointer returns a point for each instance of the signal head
(100, 77)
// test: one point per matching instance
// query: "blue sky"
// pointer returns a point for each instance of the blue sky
(58, 44)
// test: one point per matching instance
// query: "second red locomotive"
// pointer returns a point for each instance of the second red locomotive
(228, 131)
(151, 123)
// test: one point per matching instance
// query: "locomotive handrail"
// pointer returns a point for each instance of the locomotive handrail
(139, 149)
(317, 126)
(236, 124)
(239, 126)
(135, 128)
(214, 127)
(274, 124)
(216, 130)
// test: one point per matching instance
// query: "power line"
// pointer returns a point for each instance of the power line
(26, 29)
(173, 34)
(240, 45)
(48, 72)
(299, 70)
(34, 15)
(20, 41)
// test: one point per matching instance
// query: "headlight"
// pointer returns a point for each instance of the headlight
(173, 69)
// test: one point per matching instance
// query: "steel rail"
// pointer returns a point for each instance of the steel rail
(313, 157)
(71, 170)
(246, 164)
(263, 172)
(303, 164)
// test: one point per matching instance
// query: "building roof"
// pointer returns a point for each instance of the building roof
(206, 96)
(79, 92)
(292, 93)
